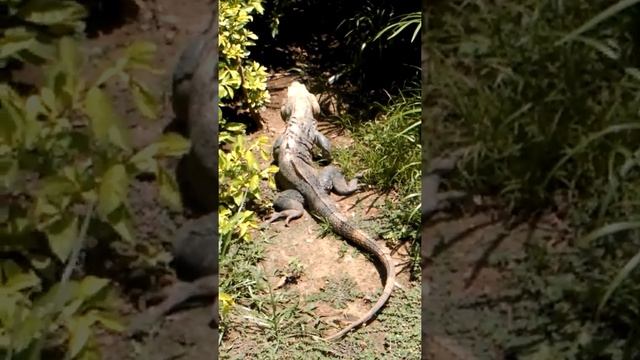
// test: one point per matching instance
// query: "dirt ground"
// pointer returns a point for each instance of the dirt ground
(461, 254)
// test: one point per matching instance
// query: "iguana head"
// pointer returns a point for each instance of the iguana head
(299, 99)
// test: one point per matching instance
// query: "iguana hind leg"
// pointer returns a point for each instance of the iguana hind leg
(289, 204)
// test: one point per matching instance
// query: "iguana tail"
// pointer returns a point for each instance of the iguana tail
(342, 227)
(320, 204)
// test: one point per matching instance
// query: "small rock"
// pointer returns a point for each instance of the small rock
(147, 16)
(96, 51)
(170, 20)
(170, 36)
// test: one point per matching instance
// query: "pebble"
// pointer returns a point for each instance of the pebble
(170, 20)
(170, 36)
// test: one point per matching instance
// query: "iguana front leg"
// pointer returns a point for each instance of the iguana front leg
(332, 179)
(324, 144)
(275, 150)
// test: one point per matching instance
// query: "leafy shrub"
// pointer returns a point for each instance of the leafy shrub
(389, 149)
(66, 153)
(550, 120)
(236, 71)
(242, 84)
(29, 28)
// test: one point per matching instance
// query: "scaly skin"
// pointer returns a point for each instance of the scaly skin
(296, 172)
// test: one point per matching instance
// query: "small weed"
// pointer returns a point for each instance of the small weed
(338, 293)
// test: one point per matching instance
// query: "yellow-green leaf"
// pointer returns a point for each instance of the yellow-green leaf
(109, 73)
(27, 331)
(140, 54)
(121, 223)
(49, 99)
(106, 125)
(79, 332)
(113, 189)
(169, 190)
(52, 12)
(109, 321)
(15, 41)
(69, 56)
(21, 281)
(55, 186)
(144, 100)
(62, 235)
(91, 285)
(173, 144)
(144, 160)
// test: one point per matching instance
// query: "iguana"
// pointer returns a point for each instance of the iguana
(304, 186)
(195, 246)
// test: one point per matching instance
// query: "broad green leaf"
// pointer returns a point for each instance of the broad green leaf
(72, 307)
(140, 55)
(8, 306)
(91, 285)
(8, 128)
(106, 125)
(55, 186)
(79, 333)
(107, 74)
(144, 100)
(169, 192)
(36, 52)
(120, 222)
(62, 235)
(10, 268)
(48, 98)
(173, 144)
(251, 160)
(27, 331)
(21, 281)
(144, 160)
(8, 173)
(90, 351)
(69, 56)
(109, 321)
(113, 189)
(32, 131)
(46, 301)
(46, 12)
(15, 41)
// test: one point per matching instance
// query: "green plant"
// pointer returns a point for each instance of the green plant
(399, 24)
(552, 117)
(236, 72)
(29, 27)
(242, 83)
(240, 177)
(389, 149)
(66, 152)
